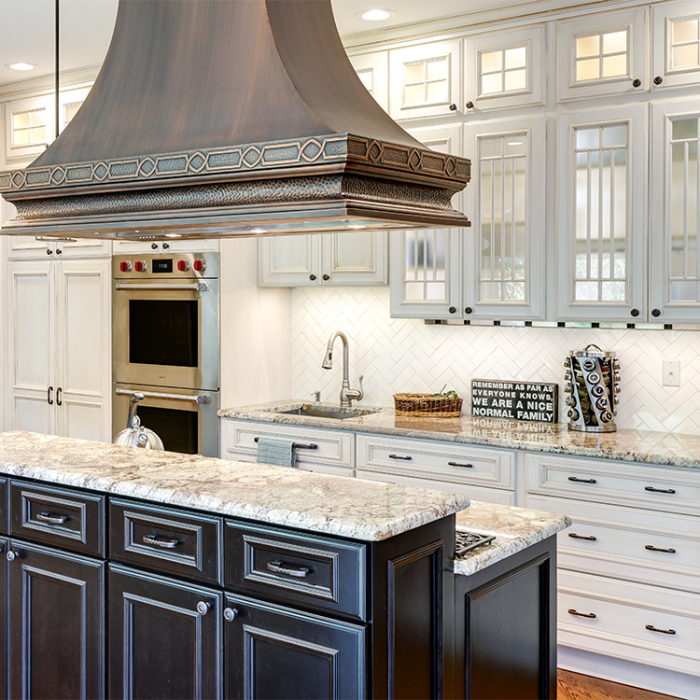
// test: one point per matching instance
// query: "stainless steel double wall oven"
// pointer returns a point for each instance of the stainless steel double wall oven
(165, 344)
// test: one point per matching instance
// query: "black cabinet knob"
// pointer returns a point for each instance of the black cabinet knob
(658, 80)
(166, 246)
(154, 246)
(312, 278)
(470, 105)
(656, 313)
(49, 252)
(325, 278)
(452, 309)
(635, 312)
(58, 251)
(636, 82)
(468, 310)
(453, 107)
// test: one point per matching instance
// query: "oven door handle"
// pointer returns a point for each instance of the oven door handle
(158, 395)
(198, 287)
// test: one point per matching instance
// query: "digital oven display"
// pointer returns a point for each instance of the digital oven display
(162, 265)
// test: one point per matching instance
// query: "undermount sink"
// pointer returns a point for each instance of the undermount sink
(335, 412)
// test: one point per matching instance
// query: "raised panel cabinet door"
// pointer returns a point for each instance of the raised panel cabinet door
(30, 346)
(164, 637)
(57, 627)
(83, 376)
(273, 652)
(355, 258)
(4, 623)
(289, 261)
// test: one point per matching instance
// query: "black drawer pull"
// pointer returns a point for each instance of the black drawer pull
(299, 445)
(576, 612)
(651, 548)
(161, 542)
(51, 518)
(654, 490)
(582, 481)
(651, 628)
(457, 464)
(591, 538)
(407, 457)
(279, 567)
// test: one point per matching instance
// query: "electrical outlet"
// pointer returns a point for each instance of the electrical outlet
(672, 372)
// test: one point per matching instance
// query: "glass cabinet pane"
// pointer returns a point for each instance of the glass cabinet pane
(424, 270)
(501, 217)
(601, 238)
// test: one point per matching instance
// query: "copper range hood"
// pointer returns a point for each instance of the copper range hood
(230, 117)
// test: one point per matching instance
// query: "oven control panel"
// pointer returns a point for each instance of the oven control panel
(171, 266)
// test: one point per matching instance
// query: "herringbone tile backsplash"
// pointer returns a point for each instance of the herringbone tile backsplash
(406, 355)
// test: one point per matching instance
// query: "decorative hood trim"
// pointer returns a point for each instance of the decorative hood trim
(150, 152)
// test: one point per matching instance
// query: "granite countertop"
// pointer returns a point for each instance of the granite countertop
(362, 510)
(515, 530)
(666, 449)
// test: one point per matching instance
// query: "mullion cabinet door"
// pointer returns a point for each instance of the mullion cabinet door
(675, 44)
(57, 626)
(425, 264)
(425, 80)
(505, 201)
(164, 637)
(277, 653)
(602, 55)
(674, 295)
(505, 69)
(602, 171)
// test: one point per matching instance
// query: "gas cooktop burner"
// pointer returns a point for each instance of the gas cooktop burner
(465, 542)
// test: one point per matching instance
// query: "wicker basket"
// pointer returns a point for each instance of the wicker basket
(426, 405)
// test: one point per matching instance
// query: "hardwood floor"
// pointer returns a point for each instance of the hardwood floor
(574, 686)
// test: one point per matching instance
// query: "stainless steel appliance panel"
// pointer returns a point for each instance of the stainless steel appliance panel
(185, 419)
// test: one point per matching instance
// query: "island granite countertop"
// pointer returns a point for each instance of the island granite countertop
(361, 510)
(650, 447)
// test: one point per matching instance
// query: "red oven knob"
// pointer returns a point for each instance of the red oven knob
(140, 266)
(125, 266)
(200, 265)
(183, 265)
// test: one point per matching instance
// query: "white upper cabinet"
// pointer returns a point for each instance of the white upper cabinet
(352, 258)
(373, 71)
(675, 223)
(602, 55)
(504, 251)
(425, 268)
(676, 44)
(29, 128)
(504, 69)
(170, 246)
(602, 177)
(426, 80)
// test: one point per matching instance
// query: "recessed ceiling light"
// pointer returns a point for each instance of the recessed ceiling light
(376, 15)
(20, 65)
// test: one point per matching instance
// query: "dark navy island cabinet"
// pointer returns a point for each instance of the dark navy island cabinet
(109, 597)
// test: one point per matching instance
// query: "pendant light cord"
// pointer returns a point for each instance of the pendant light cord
(56, 44)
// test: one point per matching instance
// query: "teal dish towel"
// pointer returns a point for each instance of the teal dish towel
(275, 450)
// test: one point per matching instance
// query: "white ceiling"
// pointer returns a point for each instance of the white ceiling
(27, 27)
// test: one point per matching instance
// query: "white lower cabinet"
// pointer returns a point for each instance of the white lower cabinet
(58, 359)
(629, 566)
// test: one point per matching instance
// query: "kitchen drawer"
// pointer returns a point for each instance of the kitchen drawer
(313, 571)
(667, 489)
(333, 448)
(437, 461)
(646, 624)
(65, 518)
(4, 507)
(475, 493)
(634, 543)
(166, 540)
